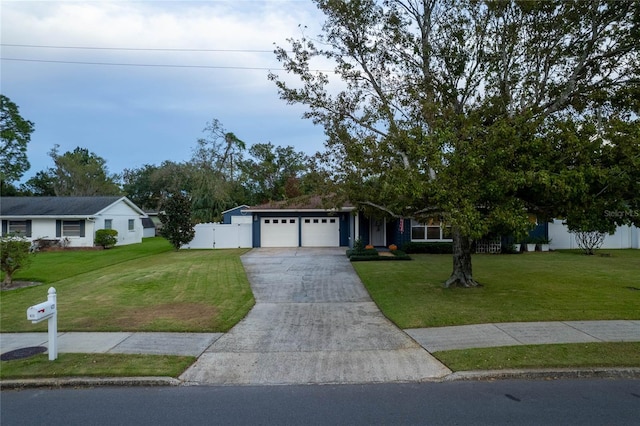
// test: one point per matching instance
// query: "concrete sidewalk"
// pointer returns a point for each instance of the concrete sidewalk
(525, 333)
(432, 339)
(191, 344)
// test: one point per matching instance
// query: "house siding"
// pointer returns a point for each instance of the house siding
(236, 211)
(120, 214)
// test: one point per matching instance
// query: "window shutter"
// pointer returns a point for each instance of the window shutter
(82, 228)
(58, 228)
(28, 228)
(4, 227)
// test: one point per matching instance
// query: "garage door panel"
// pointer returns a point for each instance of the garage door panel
(279, 232)
(320, 232)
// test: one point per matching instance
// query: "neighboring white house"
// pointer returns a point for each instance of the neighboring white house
(72, 220)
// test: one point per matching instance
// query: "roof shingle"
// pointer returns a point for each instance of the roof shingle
(54, 206)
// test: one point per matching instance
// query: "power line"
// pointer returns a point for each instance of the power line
(151, 65)
(117, 64)
(137, 49)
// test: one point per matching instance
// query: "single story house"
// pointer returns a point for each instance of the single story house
(305, 222)
(71, 220)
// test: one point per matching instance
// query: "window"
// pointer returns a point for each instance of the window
(71, 228)
(108, 224)
(19, 227)
(292, 221)
(432, 230)
(417, 231)
(332, 221)
(132, 224)
(324, 220)
(267, 221)
(307, 221)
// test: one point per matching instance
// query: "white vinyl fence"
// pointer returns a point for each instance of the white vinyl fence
(220, 236)
(625, 237)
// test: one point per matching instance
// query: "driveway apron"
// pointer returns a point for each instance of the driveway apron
(313, 322)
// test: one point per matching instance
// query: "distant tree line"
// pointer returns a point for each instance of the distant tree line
(222, 173)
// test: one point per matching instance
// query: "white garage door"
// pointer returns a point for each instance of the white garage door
(279, 232)
(320, 232)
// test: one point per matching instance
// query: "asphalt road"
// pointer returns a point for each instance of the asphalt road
(559, 402)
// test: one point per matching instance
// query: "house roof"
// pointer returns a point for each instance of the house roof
(304, 203)
(59, 206)
(242, 206)
(148, 223)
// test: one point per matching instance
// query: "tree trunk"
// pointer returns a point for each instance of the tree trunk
(8, 278)
(461, 275)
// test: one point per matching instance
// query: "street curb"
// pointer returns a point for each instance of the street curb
(545, 374)
(489, 375)
(88, 382)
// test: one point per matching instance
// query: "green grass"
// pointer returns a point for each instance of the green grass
(137, 290)
(95, 365)
(578, 355)
(555, 286)
(49, 267)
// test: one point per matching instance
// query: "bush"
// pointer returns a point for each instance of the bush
(429, 248)
(15, 254)
(362, 253)
(106, 238)
(398, 255)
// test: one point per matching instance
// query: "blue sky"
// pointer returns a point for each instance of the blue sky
(130, 115)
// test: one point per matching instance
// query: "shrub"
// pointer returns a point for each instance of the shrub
(430, 248)
(358, 244)
(15, 254)
(106, 238)
(362, 253)
(398, 255)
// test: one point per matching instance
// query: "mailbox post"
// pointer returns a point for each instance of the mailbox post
(47, 311)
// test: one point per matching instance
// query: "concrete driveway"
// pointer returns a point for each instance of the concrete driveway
(313, 322)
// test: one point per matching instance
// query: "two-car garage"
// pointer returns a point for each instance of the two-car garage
(300, 231)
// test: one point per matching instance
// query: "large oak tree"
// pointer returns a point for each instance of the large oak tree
(470, 111)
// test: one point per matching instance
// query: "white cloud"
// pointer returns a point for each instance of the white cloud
(67, 101)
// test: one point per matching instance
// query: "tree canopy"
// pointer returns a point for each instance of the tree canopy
(82, 173)
(474, 112)
(273, 172)
(15, 134)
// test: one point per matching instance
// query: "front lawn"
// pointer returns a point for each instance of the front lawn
(575, 355)
(142, 287)
(95, 365)
(554, 286)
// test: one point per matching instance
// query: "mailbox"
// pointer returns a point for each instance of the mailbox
(41, 311)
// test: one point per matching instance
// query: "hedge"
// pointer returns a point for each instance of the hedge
(429, 248)
(362, 253)
(360, 257)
